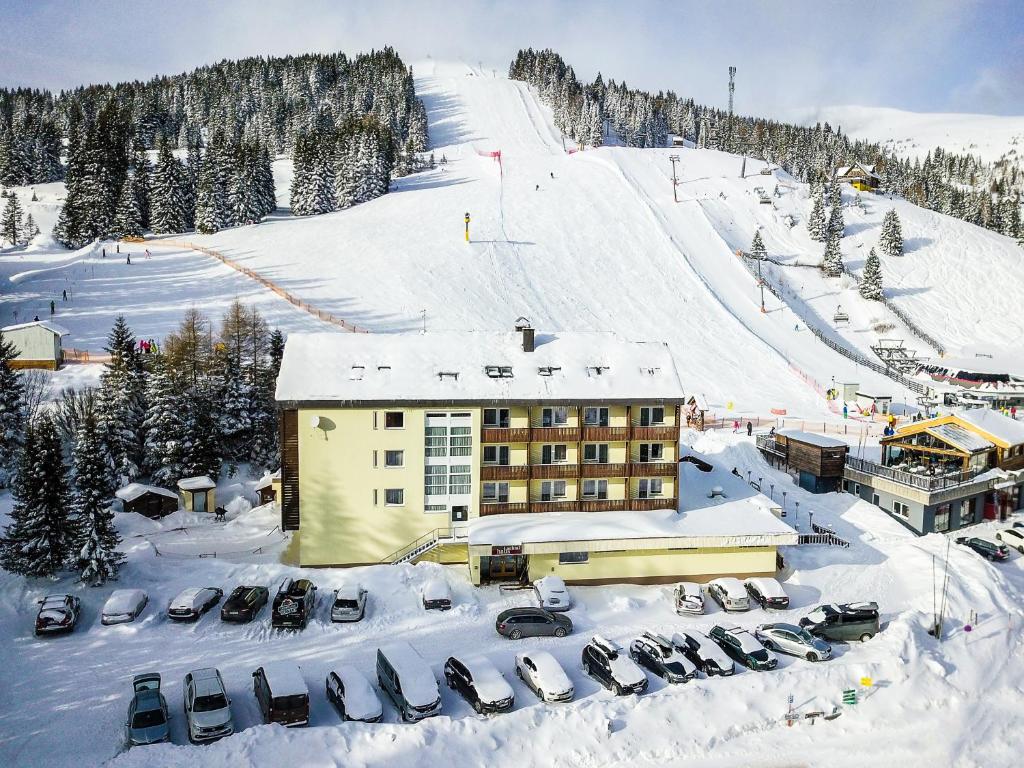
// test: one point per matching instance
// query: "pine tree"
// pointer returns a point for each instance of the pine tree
(39, 538)
(97, 540)
(12, 415)
(128, 217)
(164, 427)
(12, 227)
(835, 194)
(757, 249)
(31, 228)
(121, 402)
(168, 196)
(832, 263)
(816, 222)
(835, 220)
(890, 241)
(871, 282)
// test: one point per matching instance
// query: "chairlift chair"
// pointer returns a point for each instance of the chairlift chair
(840, 316)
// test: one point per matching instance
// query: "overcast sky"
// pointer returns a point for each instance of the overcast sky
(922, 55)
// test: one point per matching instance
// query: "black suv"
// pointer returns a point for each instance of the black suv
(843, 622)
(294, 603)
(480, 683)
(611, 667)
(244, 603)
(987, 549)
(743, 647)
(657, 654)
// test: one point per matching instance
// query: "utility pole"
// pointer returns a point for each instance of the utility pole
(675, 182)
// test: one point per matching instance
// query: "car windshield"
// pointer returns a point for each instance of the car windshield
(289, 702)
(148, 719)
(210, 703)
(339, 603)
(761, 655)
(675, 668)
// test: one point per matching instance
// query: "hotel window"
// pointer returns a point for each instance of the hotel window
(595, 489)
(435, 481)
(942, 518)
(552, 489)
(459, 479)
(394, 420)
(554, 417)
(595, 417)
(900, 509)
(496, 493)
(553, 454)
(436, 441)
(652, 415)
(649, 488)
(394, 458)
(394, 497)
(651, 452)
(595, 453)
(496, 454)
(461, 442)
(573, 558)
(497, 417)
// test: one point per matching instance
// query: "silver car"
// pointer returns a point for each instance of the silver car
(349, 603)
(147, 714)
(207, 706)
(793, 640)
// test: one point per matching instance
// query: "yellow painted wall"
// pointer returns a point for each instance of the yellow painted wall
(617, 452)
(670, 415)
(668, 450)
(668, 487)
(188, 502)
(616, 488)
(537, 417)
(571, 452)
(517, 491)
(617, 416)
(658, 564)
(570, 489)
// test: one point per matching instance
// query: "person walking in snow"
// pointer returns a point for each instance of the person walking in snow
(53, 307)
(1013, 412)
(64, 294)
(750, 429)
(735, 426)
(148, 253)
(845, 412)
(129, 261)
(104, 254)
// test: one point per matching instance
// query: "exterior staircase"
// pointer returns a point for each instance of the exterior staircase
(425, 543)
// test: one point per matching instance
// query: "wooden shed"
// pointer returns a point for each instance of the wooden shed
(816, 460)
(148, 500)
(197, 493)
(38, 344)
(268, 489)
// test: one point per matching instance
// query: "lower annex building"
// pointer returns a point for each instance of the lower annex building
(519, 454)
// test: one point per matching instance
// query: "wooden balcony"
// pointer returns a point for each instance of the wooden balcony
(604, 470)
(502, 508)
(653, 469)
(558, 505)
(670, 433)
(603, 505)
(594, 434)
(553, 471)
(505, 435)
(504, 472)
(660, 502)
(555, 434)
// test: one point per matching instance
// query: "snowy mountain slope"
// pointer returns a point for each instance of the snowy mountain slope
(915, 134)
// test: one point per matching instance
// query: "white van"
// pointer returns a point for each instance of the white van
(408, 681)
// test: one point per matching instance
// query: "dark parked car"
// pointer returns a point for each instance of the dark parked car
(767, 592)
(57, 613)
(704, 652)
(193, 602)
(281, 693)
(147, 714)
(744, 648)
(987, 549)
(244, 603)
(657, 654)
(843, 622)
(294, 603)
(480, 683)
(516, 623)
(607, 663)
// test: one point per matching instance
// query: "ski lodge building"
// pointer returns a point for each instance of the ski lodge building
(859, 176)
(517, 453)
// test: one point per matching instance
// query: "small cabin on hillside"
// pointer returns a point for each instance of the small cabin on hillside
(38, 344)
(817, 461)
(859, 176)
(197, 493)
(268, 489)
(148, 500)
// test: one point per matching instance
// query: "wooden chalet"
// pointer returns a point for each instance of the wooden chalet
(860, 176)
(149, 500)
(817, 461)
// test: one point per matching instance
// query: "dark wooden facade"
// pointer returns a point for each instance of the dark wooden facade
(290, 470)
(152, 505)
(818, 468)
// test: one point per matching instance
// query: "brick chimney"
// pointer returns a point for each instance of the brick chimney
(524, 327)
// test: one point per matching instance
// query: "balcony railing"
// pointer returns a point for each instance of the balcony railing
(593, 433)
(658, 502)
(553, 471)
(502, 507)
(603, 505)
(662, 432)
(770, 445)
(555, 505)
(505, 434)
(921, 481)
(653, 469)
(555, 434)
(504, 472)
(596, 469)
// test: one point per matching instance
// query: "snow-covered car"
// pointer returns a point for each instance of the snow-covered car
(607, 663)
(193, 602)
(688, 598)
(281, 694)
(408, 681)
(480, 683)
(793, 640)
(57, 613)
(147, 714)
(207, 706)
(552, 594)
(544, 676)
(244, 604)
(123, 606)
(657, 654)
(704, 652)
(1012, 537)
(353, 695)
(729, 593)
(436, 595)
(349, 603)
(767, 592)
(744, 647)
(987, 549)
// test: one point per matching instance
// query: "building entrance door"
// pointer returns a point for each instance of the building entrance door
(505, 567)
(199, 501)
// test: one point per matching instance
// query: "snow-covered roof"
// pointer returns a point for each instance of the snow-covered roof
(867, 169)
(994, 423)
(59, 330)
(959, 437)
(268, 479)
(123, 601)
(474, 366)
(132, 491)
(198, 483)
(285, 679)
(812, 438)
(418, 682)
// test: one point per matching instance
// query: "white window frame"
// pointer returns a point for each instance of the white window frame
(600, 413)
(596, 449)
(599, 489)
(647, 414)
(498, 450)
(499, 493)
(401, 497)
(552, 420)
(900, 509)
(497, 414)
(389, 454)
(552, 450)
(400, 414)
(552, 489)
(646, 488)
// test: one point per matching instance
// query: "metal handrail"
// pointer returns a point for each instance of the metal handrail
(428, 538)
(923, 482)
